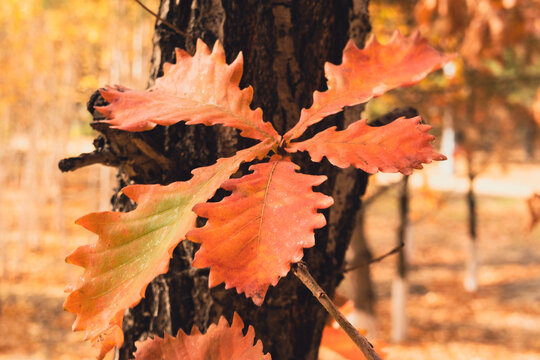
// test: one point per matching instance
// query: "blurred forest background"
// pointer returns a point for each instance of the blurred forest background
(465, 286)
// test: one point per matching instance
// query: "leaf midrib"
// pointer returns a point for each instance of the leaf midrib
(266, 191)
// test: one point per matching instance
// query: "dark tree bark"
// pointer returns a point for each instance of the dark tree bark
(285, 45)
(403, 225)
(400, 288)
(471, 200)
(364, 292)
(474, 167)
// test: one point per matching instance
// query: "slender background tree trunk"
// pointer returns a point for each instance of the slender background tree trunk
(363, 316)
(471, 268)
(400, 287)
(285, 45)
(471, 153)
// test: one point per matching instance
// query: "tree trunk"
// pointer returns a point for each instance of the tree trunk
(363, 316)
(448, 143)
(400, 288)
(471, 270)
(285, 45)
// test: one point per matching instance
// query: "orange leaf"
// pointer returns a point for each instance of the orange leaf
(336, 344)
(402, 145)
(253, 236)
(134, 247)
(220, 342)
(199, 89)
(370, 72)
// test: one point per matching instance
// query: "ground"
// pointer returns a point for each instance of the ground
(500, 321)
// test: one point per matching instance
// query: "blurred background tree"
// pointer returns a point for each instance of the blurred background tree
(482, 103)
(58, 52)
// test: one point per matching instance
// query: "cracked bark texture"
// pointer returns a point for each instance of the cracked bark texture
(285, 45)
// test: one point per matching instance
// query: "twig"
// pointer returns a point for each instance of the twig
(408, 112)
(377, 259)
(381, 190)
(177, 30)
(302, 273)
(86, 159)
(164, 162)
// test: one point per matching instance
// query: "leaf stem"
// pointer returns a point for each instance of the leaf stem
(177, 30)
(302, 273)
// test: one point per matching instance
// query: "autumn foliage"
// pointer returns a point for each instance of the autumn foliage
(252, 236)
(268, 220)
(220, 342)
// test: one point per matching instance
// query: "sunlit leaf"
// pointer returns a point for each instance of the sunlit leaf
(253, 235)
(402, 145)
(220, 342)
(134, 247)
(370, 72)
(199, 89)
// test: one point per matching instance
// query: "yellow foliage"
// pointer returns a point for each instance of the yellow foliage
(59, 52)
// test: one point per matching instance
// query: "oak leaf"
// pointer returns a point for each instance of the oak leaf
(253, 235)
(220, 342)
(134, 247)
(199, 89)
(402, 145)
(370, 72)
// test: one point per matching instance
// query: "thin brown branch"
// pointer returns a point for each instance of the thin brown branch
(381, 190)
(302, 273)
(377, 259)
(174, 28)
(86, 159)
(162, 160)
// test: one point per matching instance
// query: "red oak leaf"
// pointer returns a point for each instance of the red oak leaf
(402, 145)
(253, 236)
(220, 342)
(134, 247)
(199, 89)
(370, 72)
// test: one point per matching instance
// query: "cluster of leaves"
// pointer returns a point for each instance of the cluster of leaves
(252, 236)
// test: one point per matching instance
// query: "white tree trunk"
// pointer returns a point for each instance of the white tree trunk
(471, 270)
(448, 144)
(400, 287)
(400, 290)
